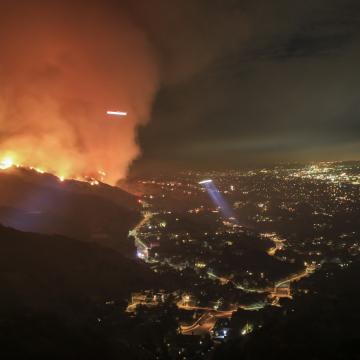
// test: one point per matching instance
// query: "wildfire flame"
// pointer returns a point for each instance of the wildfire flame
(8, 162)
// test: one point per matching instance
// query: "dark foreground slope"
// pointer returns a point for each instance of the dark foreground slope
(42, 203)
(65, 299)
(42, 270)
(323, 324)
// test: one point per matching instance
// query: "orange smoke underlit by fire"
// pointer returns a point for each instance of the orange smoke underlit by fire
(63, 65)
(9, 161)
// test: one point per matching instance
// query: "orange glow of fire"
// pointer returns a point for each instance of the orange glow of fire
(9, 161)
(6, 163)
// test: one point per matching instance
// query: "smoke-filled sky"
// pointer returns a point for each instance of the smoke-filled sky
(63, 64)
(252, 82)
(210, 83)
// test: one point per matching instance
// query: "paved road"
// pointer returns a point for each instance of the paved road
(205, 323)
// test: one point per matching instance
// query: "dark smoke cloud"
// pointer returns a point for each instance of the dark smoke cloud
(280, 83)
(191, 34)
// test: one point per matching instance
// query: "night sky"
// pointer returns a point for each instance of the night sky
(252, 82)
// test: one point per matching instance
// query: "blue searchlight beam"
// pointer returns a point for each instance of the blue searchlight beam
(218, 199)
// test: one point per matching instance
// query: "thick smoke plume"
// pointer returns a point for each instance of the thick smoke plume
(62, 66)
